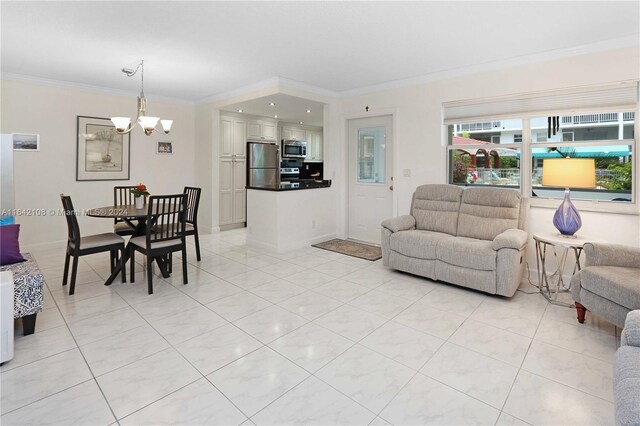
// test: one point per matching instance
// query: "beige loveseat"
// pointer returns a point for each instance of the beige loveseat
(474, 237)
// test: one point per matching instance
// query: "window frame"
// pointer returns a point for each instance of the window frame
(526, 157)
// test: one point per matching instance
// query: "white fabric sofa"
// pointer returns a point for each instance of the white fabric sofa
(474, 237)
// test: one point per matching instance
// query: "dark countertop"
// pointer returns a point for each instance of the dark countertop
(294, 186)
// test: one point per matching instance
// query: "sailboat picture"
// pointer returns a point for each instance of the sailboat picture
(103, 154)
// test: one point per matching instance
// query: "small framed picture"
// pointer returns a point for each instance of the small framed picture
(165, 148)
(25, 142)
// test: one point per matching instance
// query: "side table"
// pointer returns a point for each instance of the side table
(554, 283)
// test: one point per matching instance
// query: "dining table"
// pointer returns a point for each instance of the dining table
(137, 219)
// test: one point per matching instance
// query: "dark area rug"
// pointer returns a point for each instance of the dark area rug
(351, 248)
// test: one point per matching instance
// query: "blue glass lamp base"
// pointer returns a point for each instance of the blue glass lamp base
(567, 219)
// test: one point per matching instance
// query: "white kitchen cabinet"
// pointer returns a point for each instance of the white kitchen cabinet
(233, 138)
(232, 190)
(261, 130)
(293, 133)
(314, 145)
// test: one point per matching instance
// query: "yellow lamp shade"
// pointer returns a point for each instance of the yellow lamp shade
(569, 172)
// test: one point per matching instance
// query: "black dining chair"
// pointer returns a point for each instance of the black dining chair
(78, 246)
(191, 215)
(164, 235)
(122, 196)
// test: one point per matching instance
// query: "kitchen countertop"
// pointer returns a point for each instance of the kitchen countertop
(288, 186)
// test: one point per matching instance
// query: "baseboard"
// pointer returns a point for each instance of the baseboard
(291, 246)
(229, 227)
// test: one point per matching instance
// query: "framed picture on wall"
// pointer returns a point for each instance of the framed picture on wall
(165, 148)
(102, 154)
(25, 142)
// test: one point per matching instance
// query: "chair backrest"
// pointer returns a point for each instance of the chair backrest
(122, 196)
(193, 201)
(166, 218)
(72, 220)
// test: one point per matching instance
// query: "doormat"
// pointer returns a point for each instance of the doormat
(351, 248)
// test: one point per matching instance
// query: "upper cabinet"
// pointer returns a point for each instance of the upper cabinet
(314, 145)
(294, 133)
(261, 130)
(311, 134)
(233, 139)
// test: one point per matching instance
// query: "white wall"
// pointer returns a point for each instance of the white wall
(418, 128)
(41, 176)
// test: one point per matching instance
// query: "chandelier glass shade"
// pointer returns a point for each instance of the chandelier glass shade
(124, 125)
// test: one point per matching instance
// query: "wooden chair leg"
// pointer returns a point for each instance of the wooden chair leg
(150, 273)
(195, 236)
(74, 273)
(67, 257)
(132, 261)
(123, 268)
(581, 310)
(185, 280)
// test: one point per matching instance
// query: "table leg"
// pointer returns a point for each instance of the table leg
(543, 277)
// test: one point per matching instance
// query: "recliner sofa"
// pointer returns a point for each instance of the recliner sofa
(474, 237)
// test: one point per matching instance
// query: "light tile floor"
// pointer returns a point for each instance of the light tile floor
(308, 337)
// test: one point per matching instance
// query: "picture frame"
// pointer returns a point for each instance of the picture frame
(102, 153)
(164, 148)
(25, 142)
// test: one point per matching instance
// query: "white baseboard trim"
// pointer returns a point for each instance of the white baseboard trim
(290, 246)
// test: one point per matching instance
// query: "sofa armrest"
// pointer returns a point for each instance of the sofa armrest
(400, 223)
(511, 238)
(599, 254)
(631, 333)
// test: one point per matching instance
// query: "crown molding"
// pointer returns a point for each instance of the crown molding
(90, 88)
(270, 83)
(275, 83)
(613, 44)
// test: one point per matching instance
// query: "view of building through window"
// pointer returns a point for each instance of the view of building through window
(489, 152)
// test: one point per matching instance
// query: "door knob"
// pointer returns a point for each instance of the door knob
(391, 188)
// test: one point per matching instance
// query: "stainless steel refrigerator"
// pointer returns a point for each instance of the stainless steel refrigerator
(263, 165)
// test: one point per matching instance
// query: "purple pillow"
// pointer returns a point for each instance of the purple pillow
(9, 247)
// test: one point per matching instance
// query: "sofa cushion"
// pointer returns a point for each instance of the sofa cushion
(487, 212)
(467, 252)
(615, 283)
(416, 243)
(626, 385)
(436, 207)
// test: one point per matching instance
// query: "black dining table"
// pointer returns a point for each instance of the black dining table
(137, 219)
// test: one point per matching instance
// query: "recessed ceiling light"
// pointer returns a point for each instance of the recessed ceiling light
(308, 111)
(275, 116)
(272, 104)
(239, 110)
(301, 122)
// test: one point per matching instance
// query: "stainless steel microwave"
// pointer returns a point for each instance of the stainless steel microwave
(294, 149)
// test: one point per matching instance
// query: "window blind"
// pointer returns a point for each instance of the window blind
(619, 95)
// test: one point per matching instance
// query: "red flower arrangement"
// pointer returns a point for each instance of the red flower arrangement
(140, 190)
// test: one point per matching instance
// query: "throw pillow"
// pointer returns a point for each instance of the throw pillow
(9, 246)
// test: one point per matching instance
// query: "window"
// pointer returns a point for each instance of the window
(485, 157)
(504, 141)
(605, 137)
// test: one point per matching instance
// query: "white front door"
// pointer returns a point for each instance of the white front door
(370, 177)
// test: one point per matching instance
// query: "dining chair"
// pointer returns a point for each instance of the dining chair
(122, 196)
(191, 215)
(164, 235)
(78, 246)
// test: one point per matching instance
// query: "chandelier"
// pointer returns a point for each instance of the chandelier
(148, 124)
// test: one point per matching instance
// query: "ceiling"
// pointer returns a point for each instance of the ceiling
(289, 109)
(195, 50)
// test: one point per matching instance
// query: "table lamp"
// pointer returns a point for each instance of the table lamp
(570, 173)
